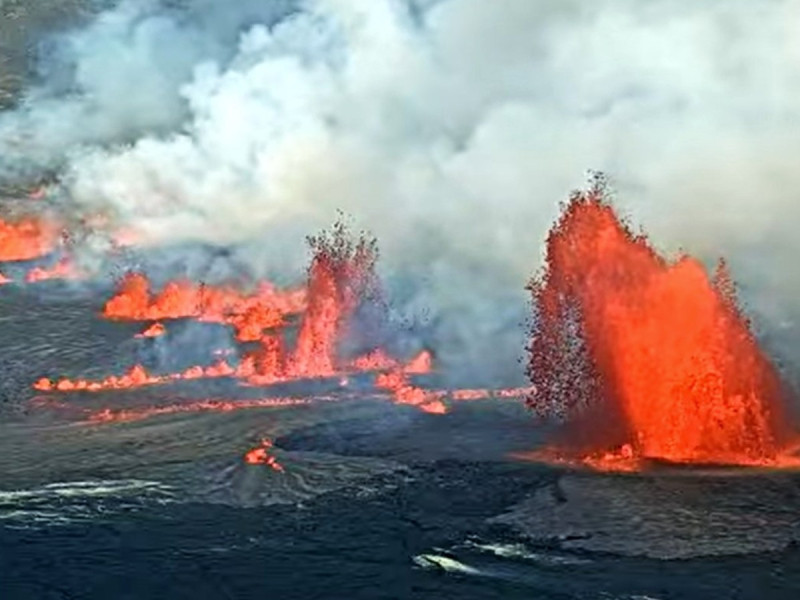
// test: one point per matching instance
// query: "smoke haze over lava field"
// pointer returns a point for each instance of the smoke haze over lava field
(298, 299)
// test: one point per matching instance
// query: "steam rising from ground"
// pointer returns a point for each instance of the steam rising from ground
(449, 128)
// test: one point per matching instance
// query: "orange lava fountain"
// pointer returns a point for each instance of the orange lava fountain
(341, 276)
(646, 358)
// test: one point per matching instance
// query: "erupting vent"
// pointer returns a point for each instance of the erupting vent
(646, 358)
(341, 280)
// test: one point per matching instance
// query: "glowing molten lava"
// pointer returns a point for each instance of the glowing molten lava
(646, 358)
(27, 239)
(397, 382)
(341, 276)
(127, 415)
(153, 331)
(249, 314)
(136, 377)
(63, 269)
(261, 456)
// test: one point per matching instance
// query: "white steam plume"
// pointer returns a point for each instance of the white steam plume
(449, 128)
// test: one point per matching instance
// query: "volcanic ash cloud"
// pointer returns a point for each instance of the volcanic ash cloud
(450, 129)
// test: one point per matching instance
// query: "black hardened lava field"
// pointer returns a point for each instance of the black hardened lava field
(315, 299)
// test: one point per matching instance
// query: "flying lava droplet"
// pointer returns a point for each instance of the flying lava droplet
(645, 358)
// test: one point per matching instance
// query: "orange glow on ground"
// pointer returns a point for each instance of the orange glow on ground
(128, 415)
(403, 392)
(341, 278)
(442, 397)
(136, 377)
(261, 456)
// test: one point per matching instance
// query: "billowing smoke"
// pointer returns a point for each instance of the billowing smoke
(451, 129)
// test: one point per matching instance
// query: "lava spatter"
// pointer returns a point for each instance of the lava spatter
(646, 358)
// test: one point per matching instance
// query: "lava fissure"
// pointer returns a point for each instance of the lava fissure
(341, 280)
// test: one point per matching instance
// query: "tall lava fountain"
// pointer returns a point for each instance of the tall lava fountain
(644, 357)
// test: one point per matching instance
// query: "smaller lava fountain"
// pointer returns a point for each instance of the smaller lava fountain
(340, 277)
(646, 358)
(341, 280)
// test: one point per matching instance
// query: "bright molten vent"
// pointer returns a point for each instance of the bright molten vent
(643, 357)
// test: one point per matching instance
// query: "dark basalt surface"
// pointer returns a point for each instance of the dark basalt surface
(361, 543)
(377, 501)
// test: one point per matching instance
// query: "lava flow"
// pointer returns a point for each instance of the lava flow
(63, 269)
(32, 238)
(136, 377)
(646, 358)
(127, 415)
(250, 314)
(27, 239)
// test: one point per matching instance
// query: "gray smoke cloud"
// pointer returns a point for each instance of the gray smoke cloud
(451, 129)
